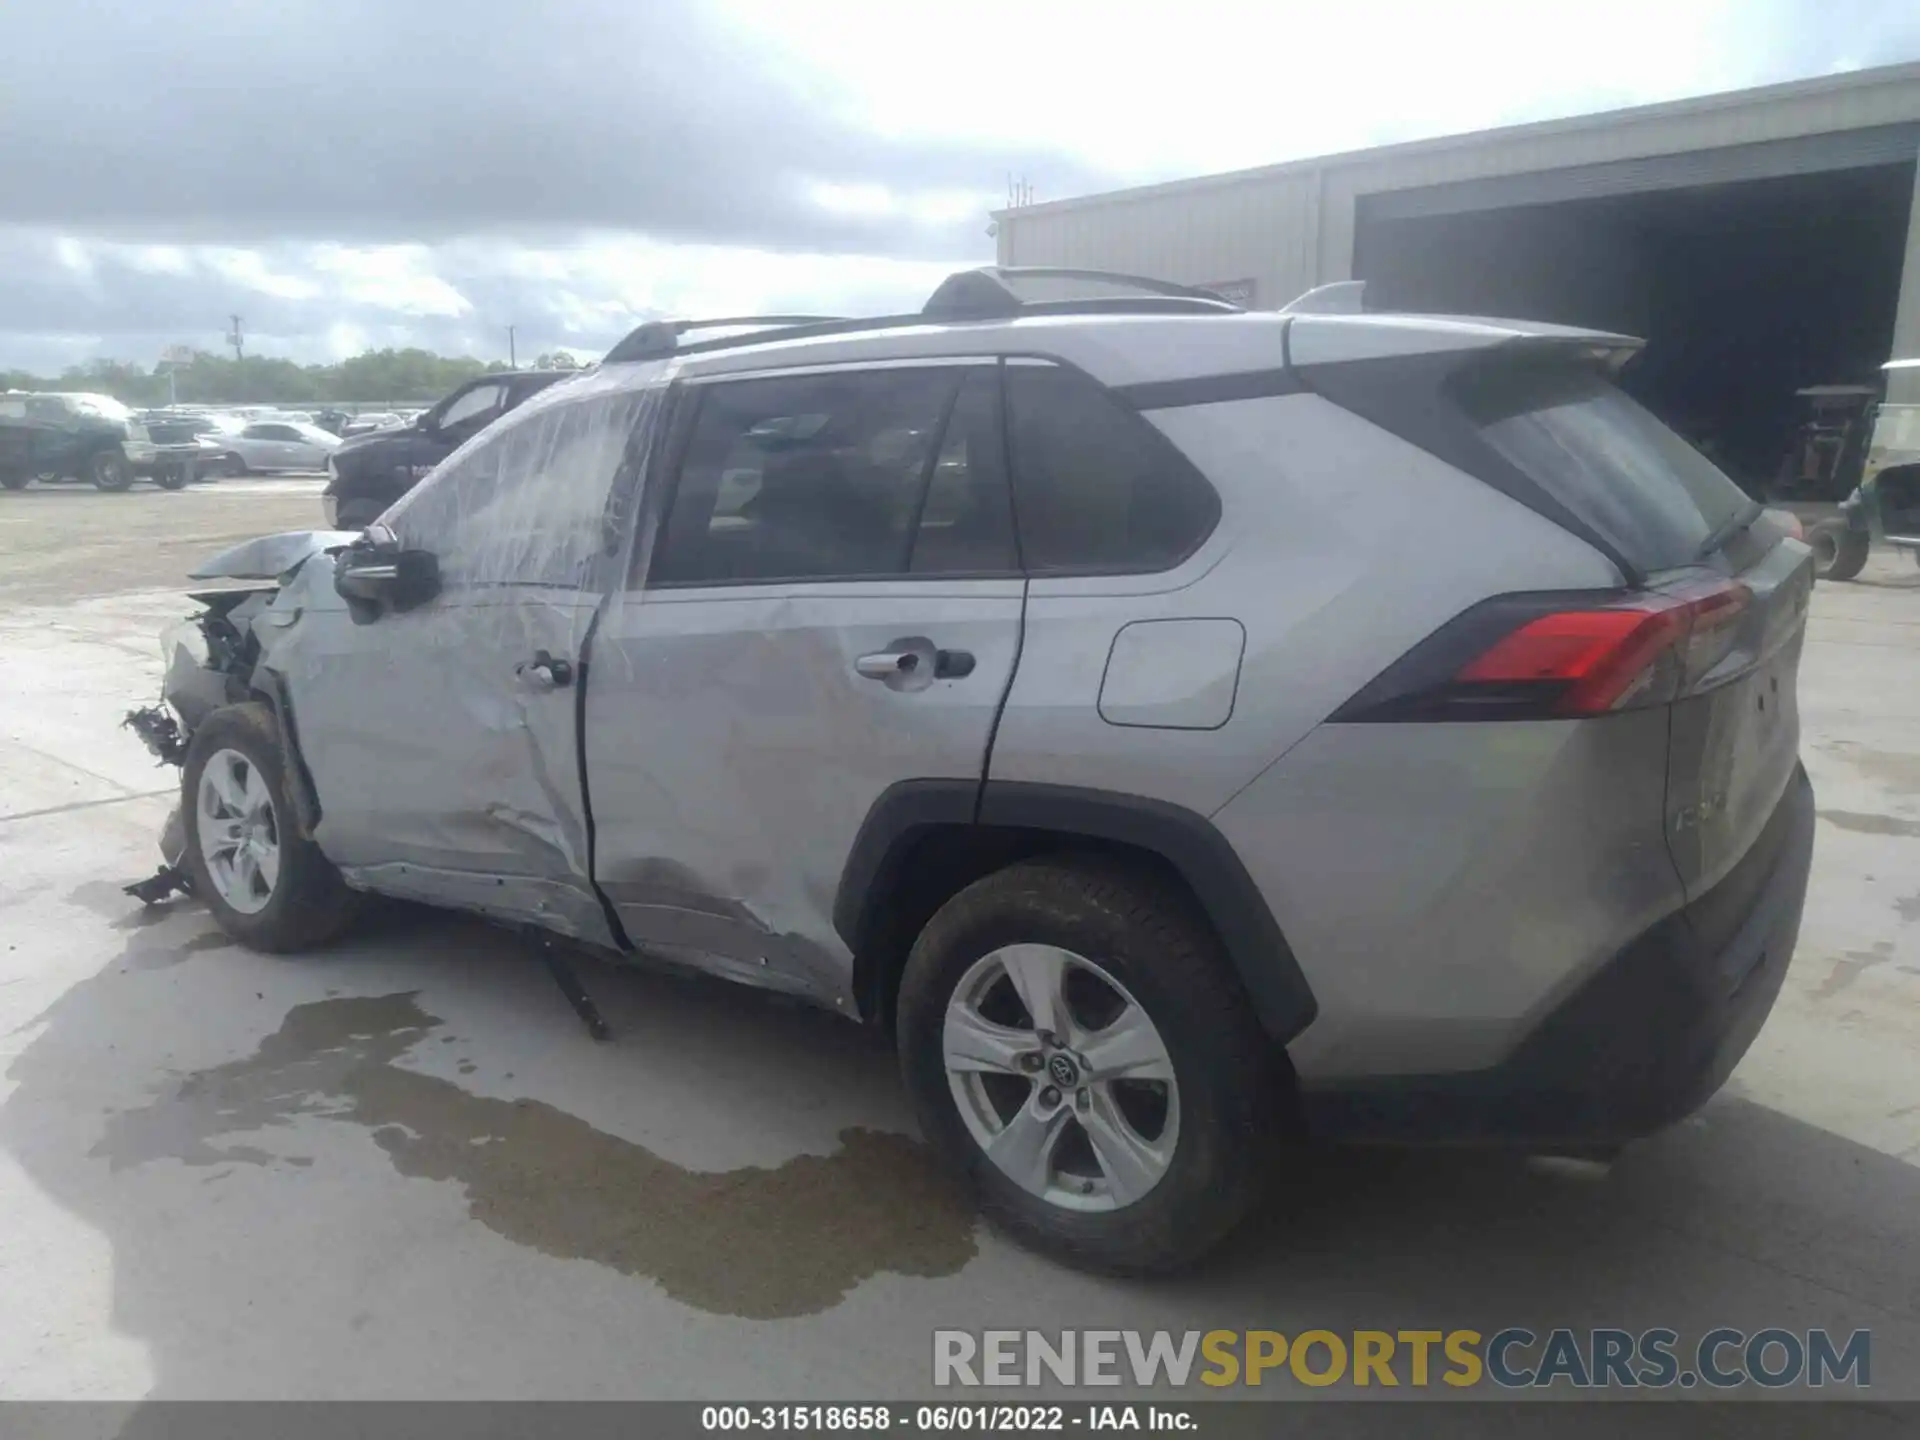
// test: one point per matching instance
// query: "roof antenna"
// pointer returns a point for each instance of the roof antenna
(1341, 297)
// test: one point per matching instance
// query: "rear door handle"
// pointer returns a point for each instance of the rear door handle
(887, 664)
(913, 663)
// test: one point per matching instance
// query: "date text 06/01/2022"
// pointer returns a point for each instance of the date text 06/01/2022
(938, 1419)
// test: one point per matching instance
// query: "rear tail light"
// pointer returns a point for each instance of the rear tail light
(1554, 657)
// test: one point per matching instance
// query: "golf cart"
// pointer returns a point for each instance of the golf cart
(1885, 506)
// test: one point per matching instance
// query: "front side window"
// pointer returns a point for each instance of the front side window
(1098, 489)
(837, 476)
(528, 504)
(480, 401)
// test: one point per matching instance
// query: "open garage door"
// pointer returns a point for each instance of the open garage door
(1750, 291)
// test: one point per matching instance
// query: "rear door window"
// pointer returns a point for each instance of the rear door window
(843, 475)
(1609, 461)
(1098, 490)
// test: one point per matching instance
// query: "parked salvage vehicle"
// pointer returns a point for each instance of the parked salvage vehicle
(266, 446)
(1886, 505)
(50, 437)
(374, 468)
(1183, 728)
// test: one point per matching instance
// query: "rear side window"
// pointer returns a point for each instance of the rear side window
(1098, 489)
(1610, 462)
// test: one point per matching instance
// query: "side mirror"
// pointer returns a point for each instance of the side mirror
(375, 574)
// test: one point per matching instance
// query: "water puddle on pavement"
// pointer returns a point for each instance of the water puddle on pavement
(760, 1243)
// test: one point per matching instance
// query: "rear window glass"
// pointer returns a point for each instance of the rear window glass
(1603, 456)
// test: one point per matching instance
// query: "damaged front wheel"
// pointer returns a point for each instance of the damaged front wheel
(268, 886)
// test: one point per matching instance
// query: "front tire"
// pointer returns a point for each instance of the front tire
(1839, 551)
(1074, 1041)
(268, 886)
(109, 470)
(15, 480)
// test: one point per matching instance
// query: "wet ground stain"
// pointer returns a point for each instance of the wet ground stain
(1895, 769)
(760, 1243)
(1849, 967)
(1869, 824)
(165, 957)
(109, 900)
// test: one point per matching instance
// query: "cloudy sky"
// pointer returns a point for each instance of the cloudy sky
(354, 173)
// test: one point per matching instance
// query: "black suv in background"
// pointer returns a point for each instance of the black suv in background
(369, 472)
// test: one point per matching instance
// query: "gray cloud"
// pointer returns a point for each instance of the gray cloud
(491, 130)
(64, 300)
(369, 120)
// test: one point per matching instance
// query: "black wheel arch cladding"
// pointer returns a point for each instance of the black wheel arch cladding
(908, 811)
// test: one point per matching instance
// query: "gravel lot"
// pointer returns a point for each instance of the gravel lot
(401, 1169)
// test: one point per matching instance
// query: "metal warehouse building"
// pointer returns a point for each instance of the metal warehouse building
(1762, 241)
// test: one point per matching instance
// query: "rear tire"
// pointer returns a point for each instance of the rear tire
(231, 467)
(1839, 551)
(268, 886)
(109, 470)
(172, 477)
(16, 481)
(1194, 1151)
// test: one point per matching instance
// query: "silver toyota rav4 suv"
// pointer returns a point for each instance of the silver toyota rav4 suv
(1186, 729)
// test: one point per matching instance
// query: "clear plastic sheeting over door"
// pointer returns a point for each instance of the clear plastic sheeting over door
(544, 498)
(444, 739)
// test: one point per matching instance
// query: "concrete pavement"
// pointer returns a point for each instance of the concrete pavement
(401, 1169)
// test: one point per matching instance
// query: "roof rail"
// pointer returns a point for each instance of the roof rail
(1003, 291)
(659, 338)
(988, 293)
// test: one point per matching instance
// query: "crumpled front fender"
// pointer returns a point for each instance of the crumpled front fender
(272, 557)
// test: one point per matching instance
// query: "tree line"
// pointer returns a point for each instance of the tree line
(399, 376)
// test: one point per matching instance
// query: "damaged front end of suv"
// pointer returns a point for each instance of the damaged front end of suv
(213, 660)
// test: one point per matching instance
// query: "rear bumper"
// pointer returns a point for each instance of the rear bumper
(1647, 1040)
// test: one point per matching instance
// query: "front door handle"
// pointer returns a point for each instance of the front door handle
(543, 672)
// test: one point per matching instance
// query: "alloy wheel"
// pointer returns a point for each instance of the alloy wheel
(1061, 1077)
(238, 830)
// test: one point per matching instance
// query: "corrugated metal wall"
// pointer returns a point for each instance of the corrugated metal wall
(1264, 232)
(1291, 227)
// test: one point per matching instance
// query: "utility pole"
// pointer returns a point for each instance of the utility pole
(513, 359)
(236, 339)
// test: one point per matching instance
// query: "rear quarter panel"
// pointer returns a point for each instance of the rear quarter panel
(1338, 548)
